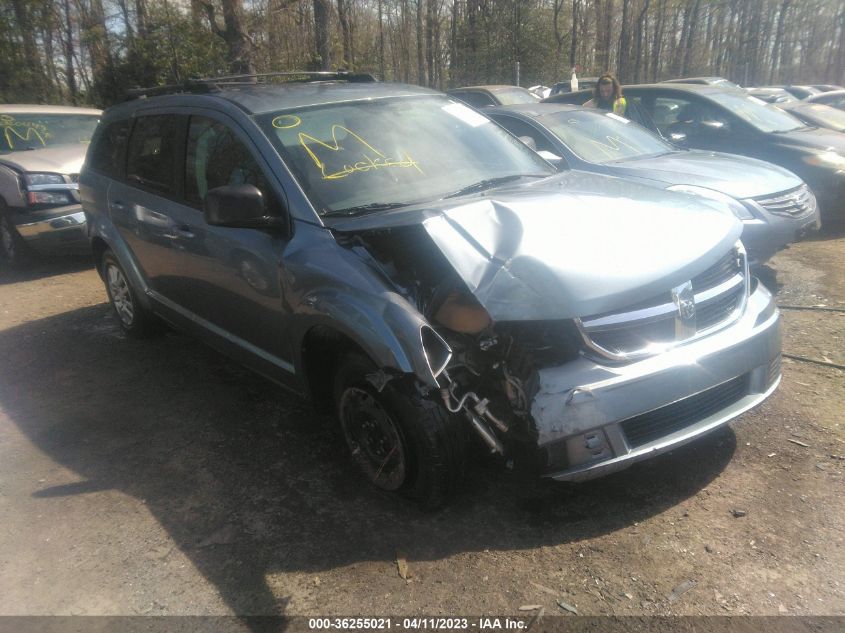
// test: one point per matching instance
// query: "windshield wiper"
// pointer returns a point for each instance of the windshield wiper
(489, 183)
(367, 208)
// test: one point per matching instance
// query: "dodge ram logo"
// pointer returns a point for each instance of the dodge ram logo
(684, 300)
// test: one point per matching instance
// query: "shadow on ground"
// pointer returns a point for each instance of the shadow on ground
(248, 480)
(45, 267)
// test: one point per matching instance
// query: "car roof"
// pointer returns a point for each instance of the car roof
(25, 108)
(829, 93)
(688, 79)
(580, 79)
(490, 88)
(259, 98)
(535, 110)
(697, 88)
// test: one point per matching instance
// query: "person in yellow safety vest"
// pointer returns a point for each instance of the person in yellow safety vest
(607, 95)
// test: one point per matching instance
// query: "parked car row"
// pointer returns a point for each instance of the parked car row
(602, 142)
(703, 117)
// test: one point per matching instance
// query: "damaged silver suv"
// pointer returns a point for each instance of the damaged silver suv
(416, 269)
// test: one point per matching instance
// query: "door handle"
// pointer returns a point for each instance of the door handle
(183, 230)
(116, 206)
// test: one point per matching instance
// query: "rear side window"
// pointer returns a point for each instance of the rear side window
(152, 160)
(475, 99)
(216, 158)
(106, 154)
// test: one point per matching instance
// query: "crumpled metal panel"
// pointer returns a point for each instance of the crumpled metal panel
(552, 253)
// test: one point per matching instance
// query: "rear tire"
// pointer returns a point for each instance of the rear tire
(134, 319)
(403, 443)
(14, 253)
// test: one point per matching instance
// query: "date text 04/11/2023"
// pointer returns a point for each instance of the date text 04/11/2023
(419, 623)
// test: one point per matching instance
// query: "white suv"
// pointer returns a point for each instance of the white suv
(42, 149)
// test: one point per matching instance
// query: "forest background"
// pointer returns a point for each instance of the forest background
(92, 51)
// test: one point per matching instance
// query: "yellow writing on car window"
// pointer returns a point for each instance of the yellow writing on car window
(613, 145)
(286, 121)
(25, 134)
(372, 159)
(22, 130)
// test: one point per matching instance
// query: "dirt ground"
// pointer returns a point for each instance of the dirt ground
(158, 477)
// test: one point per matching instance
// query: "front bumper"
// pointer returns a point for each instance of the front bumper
(764, 238)
(593, 419)
(59, 229)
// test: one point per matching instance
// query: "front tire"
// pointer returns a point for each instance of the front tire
(134, 319)
(402, 442)
(14, 252)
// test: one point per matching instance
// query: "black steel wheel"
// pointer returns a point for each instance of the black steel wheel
(402, 442)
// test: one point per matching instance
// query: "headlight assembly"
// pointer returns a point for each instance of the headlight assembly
(829, 159)
(736, 207)
(35, 179)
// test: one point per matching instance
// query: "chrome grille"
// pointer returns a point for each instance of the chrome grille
(709, 301)
(793, 203)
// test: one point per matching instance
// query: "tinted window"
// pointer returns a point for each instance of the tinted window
(520, 128)
(605, 137)
(684, 116)
(107, 152)
(34, 131)
(512, 96)
(216, 158)
(475, 99)
(756, 112)
(152, 159)
(820, 114)
(836, 101)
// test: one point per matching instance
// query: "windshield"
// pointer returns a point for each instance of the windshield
(823, 115)
(34, 131)
(601, 138)
(755, 112)
(513, 96)
(367, 155)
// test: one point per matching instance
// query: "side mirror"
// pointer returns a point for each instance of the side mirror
(238, 206)
(554, 159)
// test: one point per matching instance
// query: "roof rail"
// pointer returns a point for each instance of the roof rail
(295, 75)
(206, 85)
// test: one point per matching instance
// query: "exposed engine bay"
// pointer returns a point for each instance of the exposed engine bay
(491, 376)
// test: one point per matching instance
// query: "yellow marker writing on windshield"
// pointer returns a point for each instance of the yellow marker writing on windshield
(377, 161)
(286, 121)
(29, 132)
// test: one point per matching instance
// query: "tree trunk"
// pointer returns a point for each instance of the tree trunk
(421, 78)
(33, 78)
(70, 73)
(346, 33)
(233, 33)
(381, 40)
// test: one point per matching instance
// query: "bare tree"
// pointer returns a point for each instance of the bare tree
(234, 34)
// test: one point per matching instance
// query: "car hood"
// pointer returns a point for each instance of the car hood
(573, 245)
(815, 138)
(59, 159)
(735, 176)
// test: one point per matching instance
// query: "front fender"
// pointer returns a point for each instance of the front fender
(385, 326)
